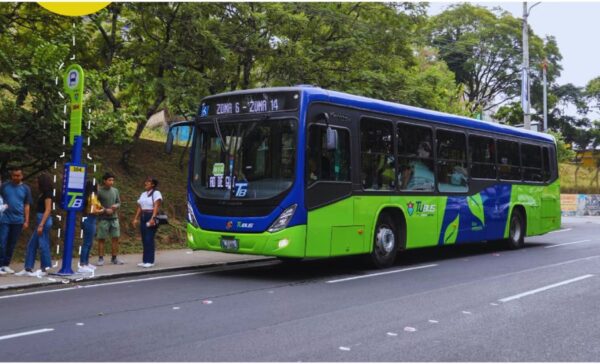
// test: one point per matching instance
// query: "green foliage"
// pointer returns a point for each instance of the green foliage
(31, 129)
(483, 48)
(564, 154)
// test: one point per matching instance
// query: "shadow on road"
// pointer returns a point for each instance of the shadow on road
(304, 271)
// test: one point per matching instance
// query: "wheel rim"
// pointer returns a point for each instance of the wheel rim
(385, 240)
(515, 230)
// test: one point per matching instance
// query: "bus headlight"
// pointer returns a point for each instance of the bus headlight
(283, 220)
(190, 215)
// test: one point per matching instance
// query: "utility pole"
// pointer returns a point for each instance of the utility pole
(544, 68)
(525, 69)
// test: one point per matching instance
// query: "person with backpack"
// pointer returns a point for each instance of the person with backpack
(147, 210)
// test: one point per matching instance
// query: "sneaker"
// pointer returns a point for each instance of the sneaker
(141, 264)
(100, 262)
(2, 273)
(117, 261)
(91, 266)
(38, 273)
(84, 269)
(21, 273)
(31, 274)
(8, 270)
(148, 265)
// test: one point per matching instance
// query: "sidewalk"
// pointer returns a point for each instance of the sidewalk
(166, 260)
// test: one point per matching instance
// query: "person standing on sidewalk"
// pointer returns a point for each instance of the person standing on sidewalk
(16, 217)
(3, 207)
(108, 221)
(91, 210)
(41, 236)
(147, 209)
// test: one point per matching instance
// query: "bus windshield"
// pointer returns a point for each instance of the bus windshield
(250, 159)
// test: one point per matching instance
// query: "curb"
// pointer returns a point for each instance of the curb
(9, 288)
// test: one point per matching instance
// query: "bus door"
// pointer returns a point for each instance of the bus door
(330, 225)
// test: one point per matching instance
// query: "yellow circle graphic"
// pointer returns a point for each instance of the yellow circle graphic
(74, 8)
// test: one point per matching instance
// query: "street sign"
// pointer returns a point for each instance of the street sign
(73, 86)
(73, 187)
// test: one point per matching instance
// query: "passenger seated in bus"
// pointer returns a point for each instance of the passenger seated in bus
(458, 176)
(421, 178)
(418, 176)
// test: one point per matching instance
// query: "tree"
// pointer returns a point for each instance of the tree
(483, 48)
(32, 46)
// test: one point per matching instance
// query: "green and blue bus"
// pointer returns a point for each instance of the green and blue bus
(304, 172)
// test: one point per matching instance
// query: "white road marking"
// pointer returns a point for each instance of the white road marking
(100, 285)
(392, 334)
(467, 312)
(12, 336)
(343, 348)
(433, 321)
(573, 242)
(560, 231)
(409, 329)
(381, 273)
(528, 293)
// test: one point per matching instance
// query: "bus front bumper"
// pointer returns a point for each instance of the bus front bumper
(289, 242)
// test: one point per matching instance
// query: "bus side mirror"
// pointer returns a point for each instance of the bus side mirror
(169, 145)
(332, 138)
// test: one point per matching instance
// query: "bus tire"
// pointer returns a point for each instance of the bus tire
(516, 230)
(385, 242)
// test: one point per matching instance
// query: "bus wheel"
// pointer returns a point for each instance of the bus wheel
(385, 243)
(516, 231)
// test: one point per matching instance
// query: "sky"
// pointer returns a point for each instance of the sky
(575, 25)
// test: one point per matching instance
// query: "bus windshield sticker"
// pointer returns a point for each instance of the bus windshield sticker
(204, 111)
(220, 182)
(218, 169)
(241, 189)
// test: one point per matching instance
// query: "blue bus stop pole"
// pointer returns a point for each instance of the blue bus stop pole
(71, 215)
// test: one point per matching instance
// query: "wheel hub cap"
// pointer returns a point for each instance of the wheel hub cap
(385, 240)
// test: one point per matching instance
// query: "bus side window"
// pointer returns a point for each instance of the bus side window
(415, 158)
(324, 164)
(547, 168)
(482, 156)
(509, 165)
(532, 162)
(452, 162)
(377, 155)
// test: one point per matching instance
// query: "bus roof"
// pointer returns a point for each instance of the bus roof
(314, 93)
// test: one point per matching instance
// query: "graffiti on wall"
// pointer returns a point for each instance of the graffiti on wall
(580, 205)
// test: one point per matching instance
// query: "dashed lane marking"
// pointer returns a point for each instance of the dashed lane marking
(560, 231)
(381, 273)
(570, 243)
(27, 333)
(545, 288)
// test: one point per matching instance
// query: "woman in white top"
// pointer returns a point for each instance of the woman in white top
(146, 212)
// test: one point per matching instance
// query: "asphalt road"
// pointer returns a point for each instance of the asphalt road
(468, 303)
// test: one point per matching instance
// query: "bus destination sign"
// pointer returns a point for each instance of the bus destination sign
(250, 104)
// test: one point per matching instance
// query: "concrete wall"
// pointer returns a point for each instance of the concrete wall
(580, 205)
